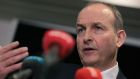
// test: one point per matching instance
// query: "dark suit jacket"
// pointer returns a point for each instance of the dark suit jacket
(121, 75)
(67, 71)
(62, 71)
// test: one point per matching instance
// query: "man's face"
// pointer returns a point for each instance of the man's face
(96, 37)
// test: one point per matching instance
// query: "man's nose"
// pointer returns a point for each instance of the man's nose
(87, 37)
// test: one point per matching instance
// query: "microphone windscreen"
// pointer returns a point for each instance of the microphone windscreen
(33, 62)
(36, 65)
(88, 73)
(64, 40)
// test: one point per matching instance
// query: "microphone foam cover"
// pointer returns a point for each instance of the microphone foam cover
(88, 73)
(63, 39)
(34, 63)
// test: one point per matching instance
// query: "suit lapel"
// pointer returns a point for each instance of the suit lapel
(121, 75)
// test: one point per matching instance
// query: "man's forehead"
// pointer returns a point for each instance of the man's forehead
(98, 8)
(108, 12)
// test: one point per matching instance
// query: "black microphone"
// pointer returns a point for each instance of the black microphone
(32, 68)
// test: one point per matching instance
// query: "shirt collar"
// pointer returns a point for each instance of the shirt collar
(111, 73)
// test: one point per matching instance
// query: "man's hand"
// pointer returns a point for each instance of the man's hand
(9, 55)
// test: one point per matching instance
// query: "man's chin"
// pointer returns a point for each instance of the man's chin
(89, 62)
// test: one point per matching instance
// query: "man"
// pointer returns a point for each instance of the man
(100, 33)
(9, 55)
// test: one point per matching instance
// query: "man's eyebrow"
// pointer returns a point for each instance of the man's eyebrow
(79, 25)
(97, 23)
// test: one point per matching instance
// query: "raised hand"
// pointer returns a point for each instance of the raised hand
(10, 54)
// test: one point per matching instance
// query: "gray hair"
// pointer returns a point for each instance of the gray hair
(118, 21)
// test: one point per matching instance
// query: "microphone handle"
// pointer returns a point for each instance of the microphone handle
(24, 74)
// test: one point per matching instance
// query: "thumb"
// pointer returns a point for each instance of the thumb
(0, 46)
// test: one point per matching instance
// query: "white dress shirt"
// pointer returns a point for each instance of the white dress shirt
(111, 73)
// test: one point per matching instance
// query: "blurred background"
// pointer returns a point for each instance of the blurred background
(27, 20)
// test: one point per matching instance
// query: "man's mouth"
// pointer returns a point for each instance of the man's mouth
(88, 50)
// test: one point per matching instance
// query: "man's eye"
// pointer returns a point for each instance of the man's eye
(98, 27)
(79, 30)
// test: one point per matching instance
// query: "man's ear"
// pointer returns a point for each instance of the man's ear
(121, 37)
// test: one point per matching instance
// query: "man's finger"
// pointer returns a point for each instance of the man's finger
(12, 68)
(14, 59)
(8, 47)
(12, 53)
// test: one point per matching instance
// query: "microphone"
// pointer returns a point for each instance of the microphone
(25, 74)
(57, 45)
(88, 73)
(32, 68)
